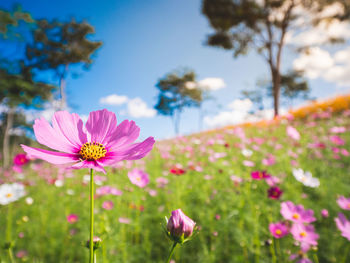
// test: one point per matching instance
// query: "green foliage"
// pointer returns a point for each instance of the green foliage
(61, 43)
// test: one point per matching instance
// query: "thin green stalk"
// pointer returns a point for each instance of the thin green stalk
(11, 255)
(171, 252)
(91, 216)
(316, 258)
(346, 254)
(9, 232)
(272, 249)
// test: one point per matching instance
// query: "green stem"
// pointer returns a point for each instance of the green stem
(9, 223)
(272, 249)
(171, 252)
(11, 255)
(91, 216)
(346, 254)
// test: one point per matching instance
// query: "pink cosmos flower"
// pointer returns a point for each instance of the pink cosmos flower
(108, 205)
(344, 203)
(305, 234)
(278, 230)
(260, 175)
(22, 254)
(343, 225)
(248, 163)
(337, 140)
(100, 143)
(138, 177)
(293, 133)
(272, 180)
(72, 218)
(124, 220)
(269, 160)
(296, 213)
(274, 192)
(336, 129)
(180, 225)
(324, 213)
(20, 159)
(107, 190)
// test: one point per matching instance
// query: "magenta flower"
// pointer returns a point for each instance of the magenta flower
(101, 143)
(260, 175)
(20, 159)
(274, 192)
(324, 213)
(72, 218)
(278, 230)
(344, 203)
(305, 234)
(343, 225)
(296, 213)
(180, 226)
(336, 140)
(293, 133)
(107, 190)
(108, 205)
(138, 177)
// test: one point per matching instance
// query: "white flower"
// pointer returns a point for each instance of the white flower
(247, 152)
(11, 192)
(306, 178)
(29, 201)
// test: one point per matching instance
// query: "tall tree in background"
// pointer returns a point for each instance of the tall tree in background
(262, 25)
(18, 89)
(175, 95)
(58, 45)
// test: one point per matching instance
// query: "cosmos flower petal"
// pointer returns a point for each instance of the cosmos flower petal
(90, 164)
(47, 135)
(100, 125)
(125, 134)
(70, 126)
(50, 156)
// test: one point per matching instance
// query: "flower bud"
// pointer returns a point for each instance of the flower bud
(180, 227)
(97, 242)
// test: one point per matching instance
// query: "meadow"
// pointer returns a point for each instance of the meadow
(232, 182)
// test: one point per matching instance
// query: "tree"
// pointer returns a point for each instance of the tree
(18, 89)
(262, 25)
(175, 95)
(58, 45)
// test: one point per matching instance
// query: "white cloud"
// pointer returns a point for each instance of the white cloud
(239, 113)
(319, 63)
(212, 84)
(137, 108)
(114, 100)
(241, 105)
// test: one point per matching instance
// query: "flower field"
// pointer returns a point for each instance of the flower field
(266, 192)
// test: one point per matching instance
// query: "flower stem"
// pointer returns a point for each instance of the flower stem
(9, 232)
(171, 252)
(91, 216)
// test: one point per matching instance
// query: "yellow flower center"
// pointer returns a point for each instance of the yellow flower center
(296, 216)
(278, 232)
(9, 195)
(303, 234)
(92, 151)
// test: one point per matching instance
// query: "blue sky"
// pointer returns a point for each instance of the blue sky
(144, 40)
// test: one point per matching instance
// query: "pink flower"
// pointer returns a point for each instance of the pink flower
(272, 180)
(260, 175)
(344, 203)
(22, 254)
(20, 159)
(274, 192)
(72, 218)
(293, 133)
(138, 177)
(343, 225)
(305, 234)
(337, 140)
(105, 190)
(180, 226)
(270, 160)
(337, 129)
(162, 182)
(278, 230)
(108, 205)
(248, 163)
(296, 213)
(124, 220)
(324, 213)
(101, 143)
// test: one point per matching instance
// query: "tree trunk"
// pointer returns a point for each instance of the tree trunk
(6, 141)
(276, 81)
(62, 84)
